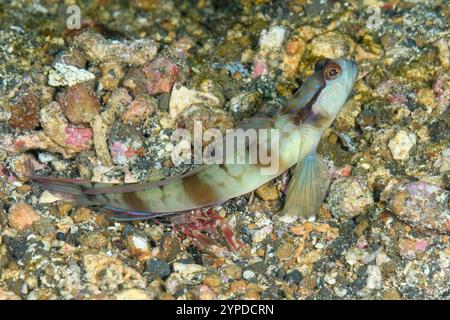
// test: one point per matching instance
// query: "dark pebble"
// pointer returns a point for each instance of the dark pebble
(272, 293)
(157, 268)
(346, 229)
(362, 271)
(246, 235)
(411, 293)
(61, 236)
(163, 101)
(338, 246)
(411, 106)
(375, 246)
(180, 292)
(357, 285)
(438, 131)
(294, 277)
(410, 43)
(196, 255)
(321, 265)
(281, 274)
(127, 230)
(325, 294)
(143, 164)
(16, 247)
(259, 267)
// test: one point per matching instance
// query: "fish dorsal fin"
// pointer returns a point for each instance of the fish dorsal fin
(92, 188)
(136, 187)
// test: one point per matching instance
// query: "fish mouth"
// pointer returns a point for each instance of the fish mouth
(354, 68)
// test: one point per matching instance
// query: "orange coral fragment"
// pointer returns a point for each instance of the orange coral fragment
(303, 230)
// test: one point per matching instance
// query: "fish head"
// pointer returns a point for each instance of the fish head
(320, 98)
(338, 77)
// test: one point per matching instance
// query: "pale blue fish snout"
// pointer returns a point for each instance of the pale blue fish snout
(350, 72)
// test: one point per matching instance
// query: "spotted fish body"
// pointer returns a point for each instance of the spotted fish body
(301, 124)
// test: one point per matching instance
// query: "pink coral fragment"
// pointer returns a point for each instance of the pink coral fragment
(78, 137)
(344, 171)
(259, 68)
(438, 88)
(162, 73)
(421, 245)
(398, 99)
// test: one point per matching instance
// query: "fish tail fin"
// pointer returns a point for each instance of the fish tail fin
(69, 189)
(307, 188)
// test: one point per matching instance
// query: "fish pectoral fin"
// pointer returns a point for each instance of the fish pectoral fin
(307, 188)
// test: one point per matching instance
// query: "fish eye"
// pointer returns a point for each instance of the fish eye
(332, 71)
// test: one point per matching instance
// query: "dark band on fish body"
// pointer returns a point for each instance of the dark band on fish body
(199, 191)
(134, 202)
(319, 120)
(306, 114)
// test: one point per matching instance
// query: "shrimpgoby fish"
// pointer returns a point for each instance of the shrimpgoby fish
(301, 123)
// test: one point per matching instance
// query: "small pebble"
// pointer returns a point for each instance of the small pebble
(157, 268)
(349, 197)
(8, 295)
(138, 246)
(294, 276)
(139, 109)
(267, 192)
(161, 74)
(272, 39)
(66, 75)
(331, 45)
(95, 240)
(170, 247)
(81, 214)
(401, 144)
(248, 275)
(80, 103)
(392, 294)
(132, 294)
(182, 98)
(374, 279)
(60, 236)
(188, 271)
(421, 205)
(22, 216)
(24, 110)
(259, 235)
(285, 251)
(232, 271)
